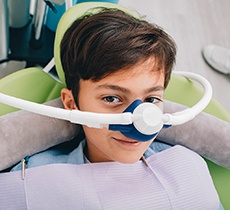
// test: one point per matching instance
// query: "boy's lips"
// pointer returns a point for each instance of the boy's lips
(128, 142)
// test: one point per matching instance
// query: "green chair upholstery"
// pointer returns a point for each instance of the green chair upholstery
(31, 84)
(35, 85)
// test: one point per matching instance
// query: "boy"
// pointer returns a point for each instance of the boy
(111, 59)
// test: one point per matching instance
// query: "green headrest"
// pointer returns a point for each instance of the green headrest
(69, 17)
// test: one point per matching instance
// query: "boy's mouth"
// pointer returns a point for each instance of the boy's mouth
(128, 142)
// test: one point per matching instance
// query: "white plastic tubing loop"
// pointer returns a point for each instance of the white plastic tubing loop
(181, 117)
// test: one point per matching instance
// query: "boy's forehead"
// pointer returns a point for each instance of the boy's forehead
(142, 75)
(148, 66)
(131, 78)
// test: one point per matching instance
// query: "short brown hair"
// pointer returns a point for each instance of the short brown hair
(99, 44)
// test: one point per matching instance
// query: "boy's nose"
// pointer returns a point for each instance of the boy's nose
(147, 121)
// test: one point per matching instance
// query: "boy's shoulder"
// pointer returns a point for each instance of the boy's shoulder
(181, 168)
(158, 146)
(68, 152)
(176, 158)
(181, 158)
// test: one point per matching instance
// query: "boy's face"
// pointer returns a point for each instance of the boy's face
(113, 94)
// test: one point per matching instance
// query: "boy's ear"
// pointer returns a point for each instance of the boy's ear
(68, 99)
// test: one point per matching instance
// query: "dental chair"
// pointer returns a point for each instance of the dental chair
(35, 85)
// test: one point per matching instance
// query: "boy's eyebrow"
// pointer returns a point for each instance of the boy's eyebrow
(155, 89)
(125, 90)
(114, 87)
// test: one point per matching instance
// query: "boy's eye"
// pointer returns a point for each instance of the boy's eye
(153, 100)
(111, 99)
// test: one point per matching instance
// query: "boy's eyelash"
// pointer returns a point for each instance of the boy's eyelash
(155, 98)
(110, 99)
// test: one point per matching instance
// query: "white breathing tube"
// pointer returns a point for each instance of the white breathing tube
(147, 118)
(181, 117)
(97, 120)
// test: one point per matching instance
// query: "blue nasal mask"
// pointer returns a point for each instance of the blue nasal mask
(140, 121)
(146, 123)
